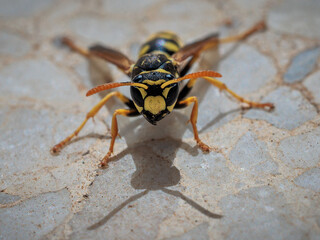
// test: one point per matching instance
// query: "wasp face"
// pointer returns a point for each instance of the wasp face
(155, 102)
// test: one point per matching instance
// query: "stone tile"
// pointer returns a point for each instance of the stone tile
(61, 11)
(309, 179)
(204, 167)
(13, 45)
(280, 48)
(314, 236)
(26, 133)
(296, 17)
(302, 201)
(100, 30)
(178, 8)
(200, 232)
(302, 65)
(245, 70)
(23, 8)
(301, 151)
(313, 84)
(249, 5)
(159, 184)
(173, 17)
(113, 204)
(135, 9)
(252, 155)
(215, 108)
(22, 134)
(262, 213)
(34, 217)
(7, 198)
(291, 109)
(39, 79)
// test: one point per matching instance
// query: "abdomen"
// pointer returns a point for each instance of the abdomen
(167, 42)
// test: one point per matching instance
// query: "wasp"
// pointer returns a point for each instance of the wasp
(155, 80)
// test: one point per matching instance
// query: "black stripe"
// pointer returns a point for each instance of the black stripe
(157, 44)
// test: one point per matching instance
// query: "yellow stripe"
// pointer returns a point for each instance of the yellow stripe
(171, 46)
(139, 85)
(144, 50)
(151, 82)
(160, 52)
(170, 108)
(166, 35)
(138, 107)
(143, 92)
(162, 71)
(158, 70)
(166, 91)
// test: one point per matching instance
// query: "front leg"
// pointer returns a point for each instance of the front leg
(115, 132)
(193, 119)
(91, 114)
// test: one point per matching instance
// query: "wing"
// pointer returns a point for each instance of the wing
(113, 56)
(195, 48)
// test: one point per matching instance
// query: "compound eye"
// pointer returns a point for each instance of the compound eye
(136, 96)
(169, 77)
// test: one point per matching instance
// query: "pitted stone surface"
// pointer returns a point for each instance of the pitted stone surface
(291, 109)
(260, 179)
(301, 65)
(252, 155)
(215, 109)
(271, 219)
(199, 232)
(38, 79)
(139, 6)
(35, 217)
(205, 167)
(313, 85)
(23, 8)
(106, 216)
(101, 31)
(246, 70)
(309, 179)
(11, 44)
(301, 151)
(296, 17)
(7, 198)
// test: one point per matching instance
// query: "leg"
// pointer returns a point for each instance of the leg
(90, 114)
(114, 131)
(83, 51)
(193, 119)
(251, 104)
(196, 48)
(259, 26)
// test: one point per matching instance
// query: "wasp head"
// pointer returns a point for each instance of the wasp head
(154, 103)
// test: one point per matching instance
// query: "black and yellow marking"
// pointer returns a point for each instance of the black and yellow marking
(155, 78)
(164, 42)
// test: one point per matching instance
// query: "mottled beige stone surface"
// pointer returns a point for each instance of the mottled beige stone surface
(260, 182)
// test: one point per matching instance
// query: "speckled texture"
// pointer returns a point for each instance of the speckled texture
(301, 65)
(261, 178)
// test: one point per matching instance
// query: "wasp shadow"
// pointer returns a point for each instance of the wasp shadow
(154, 158)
